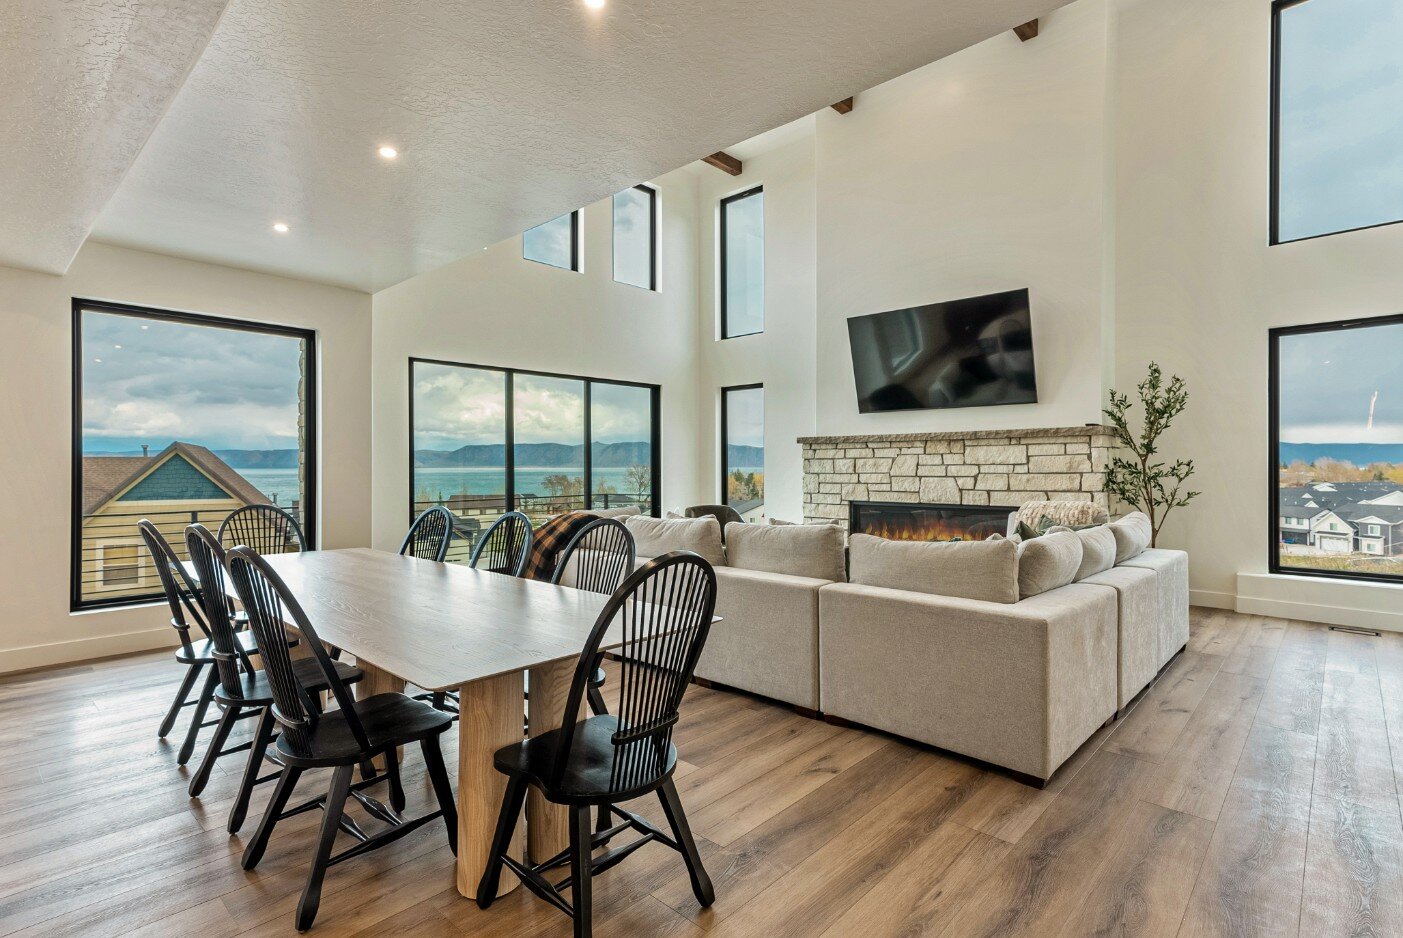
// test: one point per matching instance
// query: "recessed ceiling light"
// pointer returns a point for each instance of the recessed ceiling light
(388, 153)
(98, 360)
(280, 227)
(595, 4)
(116, 346)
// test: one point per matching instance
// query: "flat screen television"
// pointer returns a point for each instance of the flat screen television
(975, 352)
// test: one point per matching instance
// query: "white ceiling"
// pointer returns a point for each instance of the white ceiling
(505, 113)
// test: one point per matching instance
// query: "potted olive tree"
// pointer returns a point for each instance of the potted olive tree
(1138, 478)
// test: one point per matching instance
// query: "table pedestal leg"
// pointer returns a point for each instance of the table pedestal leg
(547, 825)
(489, 717)
(378, 682)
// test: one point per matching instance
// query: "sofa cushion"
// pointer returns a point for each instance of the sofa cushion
(1048, 562)
(656, 536)
(1098, 549)
(986, 570)
(811, 550)
(1132, 534)
(616, 512)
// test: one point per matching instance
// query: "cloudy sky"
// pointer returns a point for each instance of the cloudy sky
(455, 406)
(1329, 379)
(745, 417)
(151, 381)
(1341, 134)
(548, 243)
(633, 247)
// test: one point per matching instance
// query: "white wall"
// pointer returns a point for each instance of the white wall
(36, 627)
(1198, 286)
(500, 310)
(782, 357)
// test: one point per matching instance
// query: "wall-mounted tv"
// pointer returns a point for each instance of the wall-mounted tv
(975, 352)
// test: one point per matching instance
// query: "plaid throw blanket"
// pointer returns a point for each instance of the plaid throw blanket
(550, 539)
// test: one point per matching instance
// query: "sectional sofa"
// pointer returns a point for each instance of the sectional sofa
(1012, 653)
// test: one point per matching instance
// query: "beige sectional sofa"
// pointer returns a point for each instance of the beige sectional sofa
(1012, 654)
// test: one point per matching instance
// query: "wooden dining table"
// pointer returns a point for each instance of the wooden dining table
(445, 627)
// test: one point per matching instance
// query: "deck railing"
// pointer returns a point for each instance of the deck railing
(474, 514)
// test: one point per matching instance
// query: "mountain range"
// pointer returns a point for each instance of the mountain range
(561, 456)
(1357, 454)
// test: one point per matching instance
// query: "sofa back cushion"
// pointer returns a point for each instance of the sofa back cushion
(656, 536)
(1132, 534)
(616, 512)
(811, 550)
(986, 570)
(1048, 562)
(1098, 549)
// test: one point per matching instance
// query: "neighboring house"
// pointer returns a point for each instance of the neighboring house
(180, 484)
(1343, 517)
(752, 509)
(1378, 528)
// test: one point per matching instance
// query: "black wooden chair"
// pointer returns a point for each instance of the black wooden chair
(429, 535)
(242, 692)
(724, 515)
(505, 547)
(195, 653)
(268, 529)
(665, 608)
(597, 559)
(341, 739)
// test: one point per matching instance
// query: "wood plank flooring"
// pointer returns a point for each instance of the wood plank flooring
(1254, 790)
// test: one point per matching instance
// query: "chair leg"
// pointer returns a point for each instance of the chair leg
(397, 800)
(206, 695)
(581, 887)
(262, 739)
(192, 671)
(331, 822)
(227, 719)
(682, 833)
(501, 840)
(438, 775)
(281, 792)
(596, 702)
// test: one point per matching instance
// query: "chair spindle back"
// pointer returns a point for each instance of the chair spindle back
(175, 583)
(268, 529)
(207, 558)
(429, 535)
(505, 546)
(597, 558)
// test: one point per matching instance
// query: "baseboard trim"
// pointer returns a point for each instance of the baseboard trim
(1316, 612)
(85, 649)
(1212, 599)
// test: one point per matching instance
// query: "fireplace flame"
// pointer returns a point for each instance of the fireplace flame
(918, 524)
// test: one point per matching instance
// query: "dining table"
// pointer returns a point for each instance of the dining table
(448, 627)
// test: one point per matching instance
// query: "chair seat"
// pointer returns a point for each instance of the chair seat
(589, 777)
(202, 652)
(388, 719)
(257, 692)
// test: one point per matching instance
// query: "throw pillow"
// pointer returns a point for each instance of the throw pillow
(654, 537)
(1048, 562)
(809, 550)
(1098, 549)
(986, 570)
(1132, 534)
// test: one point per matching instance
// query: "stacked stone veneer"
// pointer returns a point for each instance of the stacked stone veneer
(981, 467)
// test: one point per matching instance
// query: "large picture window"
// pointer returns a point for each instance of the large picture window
(743, 450)
(636, 237)
(1337, 91)
(487, 440)
(742, 245)
(1337, 449)
(180, 418)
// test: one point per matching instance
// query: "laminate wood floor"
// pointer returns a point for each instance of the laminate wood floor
(1252, 791)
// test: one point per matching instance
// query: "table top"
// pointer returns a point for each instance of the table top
(438, 625)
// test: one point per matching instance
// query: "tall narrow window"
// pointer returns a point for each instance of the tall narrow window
(636, 237)
(181, 418)
(1337, 449)
(743, 449)
(488, 439)
(742, 244)
(556, 242)
(1337, 93)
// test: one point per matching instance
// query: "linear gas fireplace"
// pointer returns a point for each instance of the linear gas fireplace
(909, 521)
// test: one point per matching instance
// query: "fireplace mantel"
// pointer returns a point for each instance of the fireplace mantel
(974, 467)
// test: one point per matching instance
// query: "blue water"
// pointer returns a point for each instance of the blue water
(444, 483)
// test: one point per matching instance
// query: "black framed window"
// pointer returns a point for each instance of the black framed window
(742, 263)
(1336, 438)
(555, 243)
(743, 449)
(636, 237)
(485, 440)
(181, 418)
(1337, 142)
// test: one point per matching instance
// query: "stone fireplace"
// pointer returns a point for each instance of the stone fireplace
(904, 521)
(993, 468)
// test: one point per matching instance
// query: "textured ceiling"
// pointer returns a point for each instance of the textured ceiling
(506, 114)
(82, 85)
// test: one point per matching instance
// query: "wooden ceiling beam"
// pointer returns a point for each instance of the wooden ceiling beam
(724, 162)
(844, 106)
(1028, 30)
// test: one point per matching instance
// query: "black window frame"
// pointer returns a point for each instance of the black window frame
(721, 260)
(652, 239)
(311, 383)
(1274, 198)
(1274, 337)
(509, 431)
(574, 244)
(725, 433)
